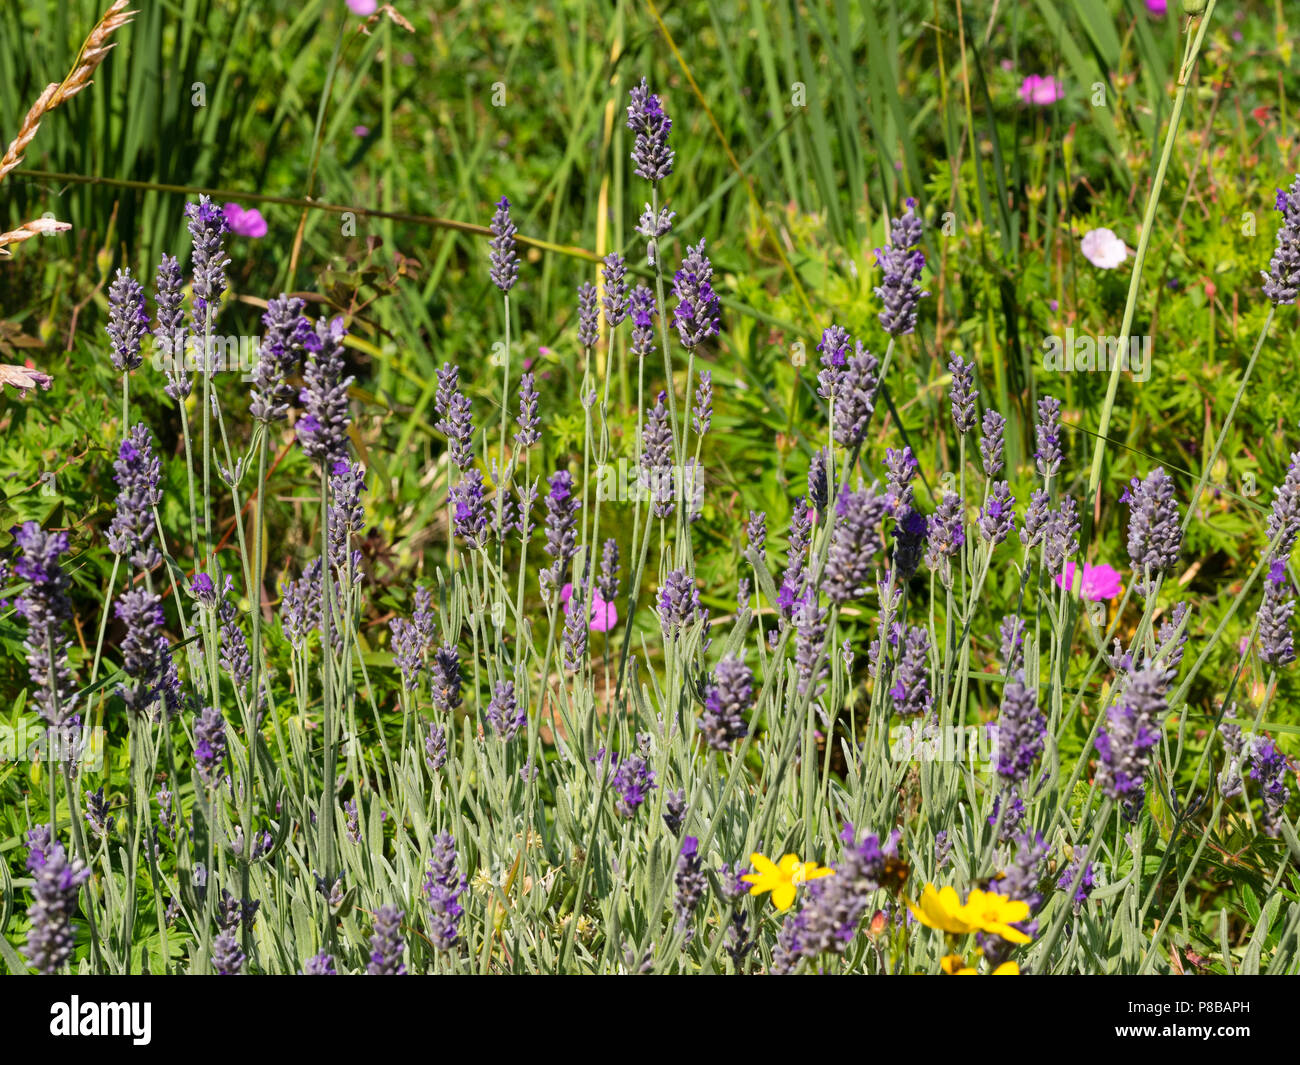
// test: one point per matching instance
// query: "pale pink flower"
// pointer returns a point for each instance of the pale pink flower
(361, 131)
(243, 223)
(1097, 582)
(1041, 91)
(603, 617)
(363, 7)
(1103, 249)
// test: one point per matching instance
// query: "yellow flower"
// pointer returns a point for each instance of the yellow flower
(983, 911)
(995, 914)
(955, 965)
(941, 909)
(782, 879)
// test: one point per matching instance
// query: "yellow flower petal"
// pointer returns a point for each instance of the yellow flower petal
(1007, 968)
(783, 896)
(788, 864)
(763, 865)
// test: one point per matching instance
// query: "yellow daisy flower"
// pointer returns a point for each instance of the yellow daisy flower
(941, 909)
(995, 914)
(955, 965)
(783, 878)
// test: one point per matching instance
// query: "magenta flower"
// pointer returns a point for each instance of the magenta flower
(1097, 583)
(361, 131)
(1041, 91)
(604, 616)
(1158, 7)
(243, 223)
(363, 7)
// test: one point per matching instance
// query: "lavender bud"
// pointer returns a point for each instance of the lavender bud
(703, 404)
(55, 884)
(911, 689)
(1021, 731)
(456, 421)
(643, 321)
(657, 457)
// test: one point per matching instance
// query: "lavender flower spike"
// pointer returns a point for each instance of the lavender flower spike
(962, 393)
(527, 435)
(138, 474)
(1284, 517)
(645, 117)
(504, 713)
(443, 886)
(208, 227)
(616, 298)
(1276, 642)
(55, 883)
(503, 258)
(128, 321)
(1282, 279)
(281, 351)
(729, 696)
(1155, 534)
(562, 508)
(1132, 729)
(991, 442)
(322, 430)
(900, 289)
(588, 315)
(386, 943)
(696, 314)
(855, 542)
(44, 606)
(169, 330)
(1047, 432)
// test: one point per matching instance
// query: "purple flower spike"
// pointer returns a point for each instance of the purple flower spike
(645, 117)
(443, 886)
(1155, 533)
(900, 289)
(386, 943)
(44, 606)
(323, 429)
(55, 884)
(503, 258)
(128, 321)
(1282, 279)
(696, 314)
(729, 697)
